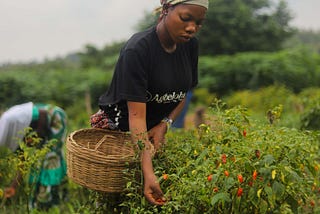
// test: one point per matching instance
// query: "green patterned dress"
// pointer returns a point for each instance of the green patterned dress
(49, 179)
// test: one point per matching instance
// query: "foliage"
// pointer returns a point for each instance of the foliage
(308, 38)
(294, 68)
(240, 26)
(104, 58)
(8, 96)
(262, 100)
(201, 96)
(62, 87)
(236, 165)
(309, 96)
(233, 164)
(310, 118)
(258, 102)
(299, 110)
(26, 160)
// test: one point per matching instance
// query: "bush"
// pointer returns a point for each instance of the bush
(236, 165)
(310, 117)
(263, 99)
(296, 69)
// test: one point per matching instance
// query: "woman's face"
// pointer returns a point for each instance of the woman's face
(183, 21)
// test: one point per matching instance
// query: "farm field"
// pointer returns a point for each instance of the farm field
(233, 163)
(256, 150)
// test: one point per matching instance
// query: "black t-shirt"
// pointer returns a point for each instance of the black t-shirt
(146, 73)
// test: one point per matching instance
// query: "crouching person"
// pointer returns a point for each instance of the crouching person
(49, 123)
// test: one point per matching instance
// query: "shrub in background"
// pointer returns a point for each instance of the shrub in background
(294, 68)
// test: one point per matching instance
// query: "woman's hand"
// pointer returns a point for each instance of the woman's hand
(157, 135)
(153, 192)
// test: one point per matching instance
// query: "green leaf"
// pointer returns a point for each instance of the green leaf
(224, 197)
(201, 156)
(269, 192)
(268, 159)
(229, 182)
(278, 189)
(263, 206)
(129, 184)
(252, 196)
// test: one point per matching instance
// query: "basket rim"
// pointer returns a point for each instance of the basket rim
(81, 151)
(99, 129)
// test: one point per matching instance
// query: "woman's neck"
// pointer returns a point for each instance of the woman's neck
(164, 37)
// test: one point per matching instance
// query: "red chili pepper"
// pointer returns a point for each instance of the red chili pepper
(165, 176)
(244, 133)
(250, 183)
(254, 175)
(216, 189)
(226, 173)
(159, 200)
(209, 177)
(240, 192)
(312, 203)
(240, 178)
(224, 158)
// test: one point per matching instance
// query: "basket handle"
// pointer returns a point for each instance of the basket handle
(102, 140)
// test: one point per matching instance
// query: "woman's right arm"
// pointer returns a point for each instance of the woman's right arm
(138, 129)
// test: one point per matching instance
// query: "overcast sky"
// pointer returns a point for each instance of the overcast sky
(38, 29)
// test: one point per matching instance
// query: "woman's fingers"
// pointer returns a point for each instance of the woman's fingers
(155, 200)
(155, 196)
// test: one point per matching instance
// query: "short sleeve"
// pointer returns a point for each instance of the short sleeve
(133, 76)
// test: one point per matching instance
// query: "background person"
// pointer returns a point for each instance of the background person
(179, 122)
(49, 122)
(155, 70)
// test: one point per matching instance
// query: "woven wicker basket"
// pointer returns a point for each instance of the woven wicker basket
(97, 159)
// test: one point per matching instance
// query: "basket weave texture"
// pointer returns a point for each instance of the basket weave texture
(97, 158)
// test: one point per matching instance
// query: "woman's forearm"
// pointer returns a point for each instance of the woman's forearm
(139, 133)
(174, 114)
(146, 163)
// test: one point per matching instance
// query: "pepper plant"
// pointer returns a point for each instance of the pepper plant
(236, 165)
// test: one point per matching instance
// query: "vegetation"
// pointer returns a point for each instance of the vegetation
(237, 165)
(257, 152)
(295, 68)
(230, 164)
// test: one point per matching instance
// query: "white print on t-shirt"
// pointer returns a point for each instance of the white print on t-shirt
(167, 97)
(118, 112)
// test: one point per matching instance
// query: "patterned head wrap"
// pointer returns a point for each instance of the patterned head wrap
(203, 3)
(165, 4)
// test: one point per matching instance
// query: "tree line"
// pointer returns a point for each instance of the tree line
(239, 42)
